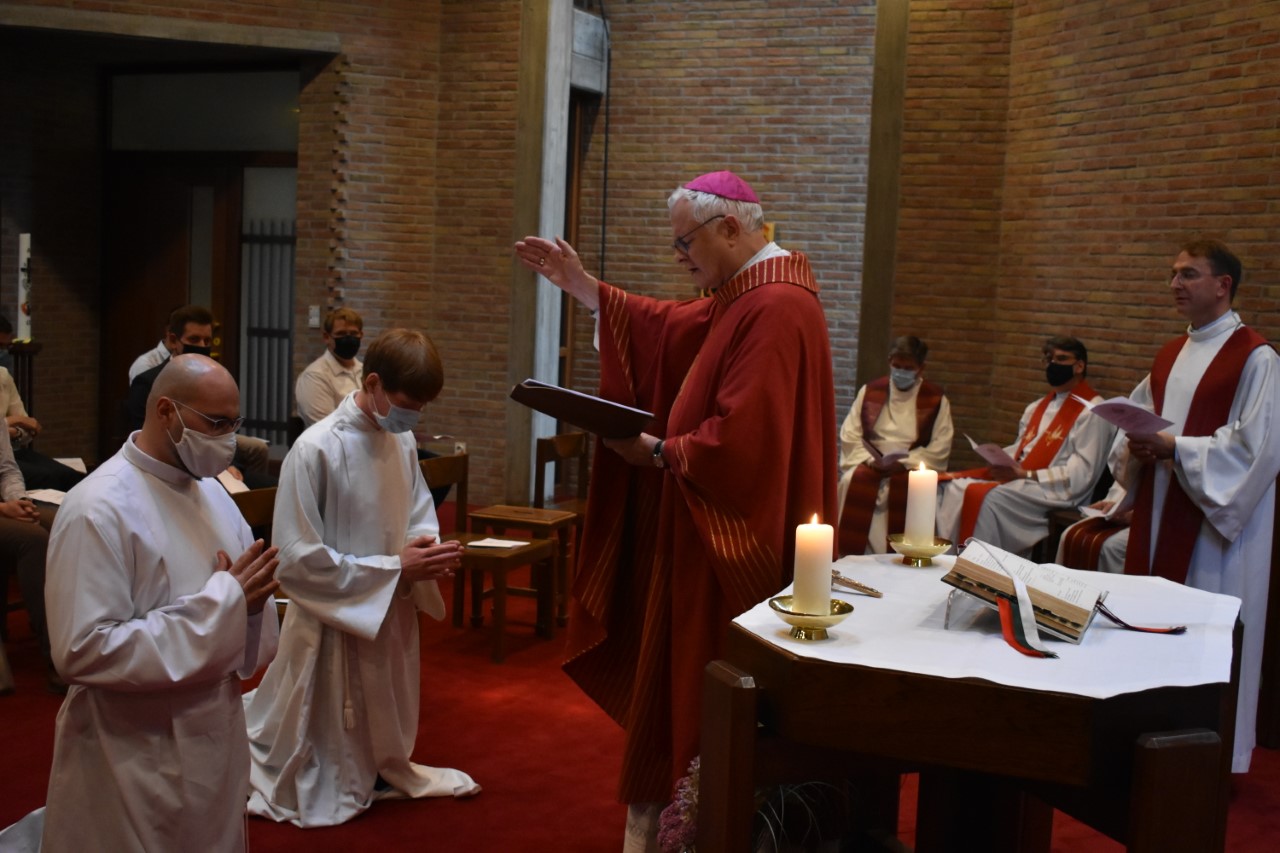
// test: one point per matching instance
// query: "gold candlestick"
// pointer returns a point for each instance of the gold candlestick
(918, 555)
(809, 626)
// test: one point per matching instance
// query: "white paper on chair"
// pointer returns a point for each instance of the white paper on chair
(231, 483)
(496, 543)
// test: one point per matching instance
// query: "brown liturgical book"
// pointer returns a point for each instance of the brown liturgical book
(605, 418)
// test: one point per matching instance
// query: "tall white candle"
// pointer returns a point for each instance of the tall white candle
(922, 502)
(812, 592)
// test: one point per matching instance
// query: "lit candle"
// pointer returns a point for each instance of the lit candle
(922, 502)
(812, 591)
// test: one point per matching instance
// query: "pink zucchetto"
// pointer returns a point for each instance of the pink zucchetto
(724, 184)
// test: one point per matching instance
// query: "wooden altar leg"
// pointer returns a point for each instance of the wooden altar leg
(726, 783)
(1180, 793)
(961, 811)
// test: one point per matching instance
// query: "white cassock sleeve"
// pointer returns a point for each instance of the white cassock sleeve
(344, 566)
(99, 640)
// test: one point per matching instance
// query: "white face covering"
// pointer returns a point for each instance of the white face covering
(204, 455)
(902, 378)
(397, 419)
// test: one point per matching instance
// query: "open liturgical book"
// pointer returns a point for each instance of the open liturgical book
(1064, 605)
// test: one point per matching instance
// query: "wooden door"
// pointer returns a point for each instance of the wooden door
(167, 219)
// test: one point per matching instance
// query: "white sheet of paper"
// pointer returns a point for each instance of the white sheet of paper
(994, 454)
(496, 543)
(1127, 415)
(72, 462)
(49, 496)
(231, 484)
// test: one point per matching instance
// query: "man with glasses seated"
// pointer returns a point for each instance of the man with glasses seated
(323, 384)
(1058, 458)
(159, 602)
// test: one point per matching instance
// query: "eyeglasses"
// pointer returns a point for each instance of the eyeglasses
(681, 243)
(1188, 274)
(219, 426)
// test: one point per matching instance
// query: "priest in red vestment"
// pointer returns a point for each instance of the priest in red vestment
(693, 521)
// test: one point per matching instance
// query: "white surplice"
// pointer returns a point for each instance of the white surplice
(150, 750)
(1231, 476)
(1014, 514)
(339, 705)
(896, 429)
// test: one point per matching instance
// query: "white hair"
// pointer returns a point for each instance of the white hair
(707, 205)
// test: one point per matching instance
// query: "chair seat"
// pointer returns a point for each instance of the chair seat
(542, 523)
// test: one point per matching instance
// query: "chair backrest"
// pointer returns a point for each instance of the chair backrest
(257, 506)
(564, 447)
(450, 471)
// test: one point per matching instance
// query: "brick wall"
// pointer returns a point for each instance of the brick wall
(779, 92)
(48, 154)
(1131, 126)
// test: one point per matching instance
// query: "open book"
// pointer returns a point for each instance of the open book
(1127, 415)
(1064, 605)
(886, 458)
(993, 454)
(605, 418)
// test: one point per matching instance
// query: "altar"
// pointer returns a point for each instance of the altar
(1128, 732)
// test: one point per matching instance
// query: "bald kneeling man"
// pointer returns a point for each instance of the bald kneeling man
(154, 622)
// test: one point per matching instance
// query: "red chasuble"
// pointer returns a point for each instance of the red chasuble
(864, 486)
(1181, 519)
(741, 387)
(1040, 456)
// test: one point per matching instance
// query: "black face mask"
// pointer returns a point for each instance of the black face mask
(1058, 374)
(346, 346)
(192, 349)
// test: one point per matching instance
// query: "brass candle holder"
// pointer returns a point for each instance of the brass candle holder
(809, 626)
(915, 554)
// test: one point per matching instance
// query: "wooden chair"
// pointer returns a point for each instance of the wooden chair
(258, 506)
(538, 554)
(562, 519)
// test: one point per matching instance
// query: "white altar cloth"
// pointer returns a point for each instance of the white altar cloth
(904, 631)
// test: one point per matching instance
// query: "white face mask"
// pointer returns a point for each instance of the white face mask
(902, 378)
(397, 418)
(204, 455)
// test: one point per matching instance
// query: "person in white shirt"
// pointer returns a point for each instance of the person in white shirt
(333, 723)
(154, 623)
(336, 373)
(1204, 489)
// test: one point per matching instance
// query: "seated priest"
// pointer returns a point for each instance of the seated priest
(1057, 460)
(896, 422)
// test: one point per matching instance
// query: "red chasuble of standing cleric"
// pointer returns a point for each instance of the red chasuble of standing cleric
(693, 522)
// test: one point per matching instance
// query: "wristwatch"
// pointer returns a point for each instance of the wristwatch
(658, 461)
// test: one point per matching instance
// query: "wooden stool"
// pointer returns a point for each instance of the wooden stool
(542, 524)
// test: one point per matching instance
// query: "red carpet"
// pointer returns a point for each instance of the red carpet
(546, 757)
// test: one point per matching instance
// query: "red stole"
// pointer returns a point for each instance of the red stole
(1210, 407)
(1040, 456)
(1082, 542)
(860, 500)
